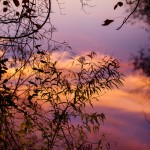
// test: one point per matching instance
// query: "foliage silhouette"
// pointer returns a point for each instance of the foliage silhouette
(142, 62)
(107, 22)
(142, 13)
(42, 104)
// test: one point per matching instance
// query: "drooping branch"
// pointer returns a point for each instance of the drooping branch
(125, 19)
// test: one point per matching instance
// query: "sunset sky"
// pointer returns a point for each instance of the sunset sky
(44, 81)
(124, 108)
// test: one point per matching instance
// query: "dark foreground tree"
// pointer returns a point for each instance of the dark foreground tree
(43, 105)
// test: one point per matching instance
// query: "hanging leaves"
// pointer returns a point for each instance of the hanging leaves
(107, 22)
(3, 61)
(118, 4)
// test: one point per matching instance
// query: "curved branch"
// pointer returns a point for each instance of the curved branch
(33, 31)
(125, 20)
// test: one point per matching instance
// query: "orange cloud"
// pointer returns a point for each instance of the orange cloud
(126, 98)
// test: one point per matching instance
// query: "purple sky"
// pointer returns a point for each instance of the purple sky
(84, 31)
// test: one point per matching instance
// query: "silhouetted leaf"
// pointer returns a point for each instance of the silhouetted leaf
(118, 4)
(3, 71)
(33, 16)
(37, 91)
(35, 95)
(3, 61)
(16, 2)
(42, 61)
(5, 9)
(5, 87)
(37, 46)
(37, 78)
(5, 2)
(40, 52)
(38, 26)
(34, 68)
(107, 22)
(30, 97)
(5, 80)
(17, 13)
(40, 70)
(32, 83)
(25, 1)
(69, 47)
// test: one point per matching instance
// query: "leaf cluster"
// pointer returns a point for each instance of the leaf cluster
(48, 101)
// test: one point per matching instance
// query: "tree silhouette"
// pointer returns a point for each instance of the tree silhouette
(42, 104)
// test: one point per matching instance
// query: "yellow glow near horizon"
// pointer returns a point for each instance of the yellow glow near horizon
(126, 98)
